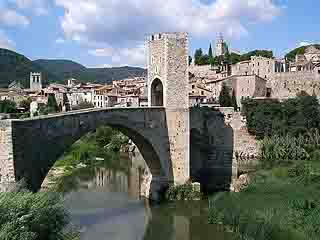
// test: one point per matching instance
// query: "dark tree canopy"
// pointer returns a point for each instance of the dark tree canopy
(210, 52)
(294, 116)
(7, 106)
(224, 97)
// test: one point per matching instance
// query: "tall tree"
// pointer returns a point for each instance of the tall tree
(190, 60)
(210, 52)
(234, 101)
(52, 103)
(198, 56)
(224, 97)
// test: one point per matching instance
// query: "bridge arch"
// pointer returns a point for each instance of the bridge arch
(157, 93)
(43, 140)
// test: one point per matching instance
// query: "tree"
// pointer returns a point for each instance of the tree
(234, 101)
(197, 56)
(26, 104)
(204, 60)
(210, 52)
(190, 60)
(52, 105)
(224, 97)
(8, 106)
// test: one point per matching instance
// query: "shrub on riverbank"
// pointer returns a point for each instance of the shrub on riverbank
(102, 143)
(33, 216)
(281, 203)
(293, 117)
(182, 192)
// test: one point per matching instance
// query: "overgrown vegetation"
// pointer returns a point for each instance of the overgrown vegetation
(102, 144)
(34, 216)
(182, 192)
(282, 201)
(225, 99)
(291, 117)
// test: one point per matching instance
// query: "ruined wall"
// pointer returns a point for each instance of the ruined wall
(289, 84)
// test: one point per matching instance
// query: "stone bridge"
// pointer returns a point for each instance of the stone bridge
(167, 133)
(30, 147)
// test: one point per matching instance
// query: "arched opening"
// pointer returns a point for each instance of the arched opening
(157, 93)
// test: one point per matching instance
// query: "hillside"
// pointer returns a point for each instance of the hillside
(14, 66)
(300, 50)
(65, 69)
(17, 67)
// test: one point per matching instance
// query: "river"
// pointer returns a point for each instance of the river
(105, 203)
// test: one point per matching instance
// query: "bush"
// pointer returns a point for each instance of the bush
(182, 192)
(32, 216)
(294, 116)
(277, 150)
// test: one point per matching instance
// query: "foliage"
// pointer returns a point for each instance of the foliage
(200, 59)
(293, 116)
(284, 150)
(271, 207)
(33, 216)
(190, 60)
(182, 192)
(102, 143)
(263, 53)
(234, 101)
(26, 104)
(300, 50)
(210, 52)
(8, 106)
(224, 97)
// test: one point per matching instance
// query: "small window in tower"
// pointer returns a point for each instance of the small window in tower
(202, 92)
(258, 63)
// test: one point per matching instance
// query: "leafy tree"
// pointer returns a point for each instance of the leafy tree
(197, 56)
(210, 52)
(52, 105)
(8, 106)
(234, 101)
(190, 60)
(204, 60)
(300, 50)
(224, 97)
(263, 53)
(234, 58)
(293, 116)
(26, 104)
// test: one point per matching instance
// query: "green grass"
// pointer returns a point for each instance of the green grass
(276, 205)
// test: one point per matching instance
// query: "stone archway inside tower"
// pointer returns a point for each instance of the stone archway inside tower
(157, 93)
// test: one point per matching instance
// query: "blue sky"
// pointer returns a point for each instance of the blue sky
(100, 33)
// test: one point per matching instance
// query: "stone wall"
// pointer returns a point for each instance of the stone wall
(289, 84)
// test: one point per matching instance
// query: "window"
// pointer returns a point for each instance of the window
(192, 86)
(152, 37)
(202, 92)
(268, 62)
(159, 35)
(258, 64)
(319, 71)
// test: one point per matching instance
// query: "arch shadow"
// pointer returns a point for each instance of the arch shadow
(211, 150)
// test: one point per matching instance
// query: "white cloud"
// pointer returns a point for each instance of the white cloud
(135, 56)
(60, 41)
(123, 24)
(12, 18)
(39, 7)
(5, 42)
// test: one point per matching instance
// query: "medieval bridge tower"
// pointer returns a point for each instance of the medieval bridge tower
(168, 87)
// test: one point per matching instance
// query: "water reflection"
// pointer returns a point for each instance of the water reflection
(107, 204)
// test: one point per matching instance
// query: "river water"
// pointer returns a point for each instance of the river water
(105, 203)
